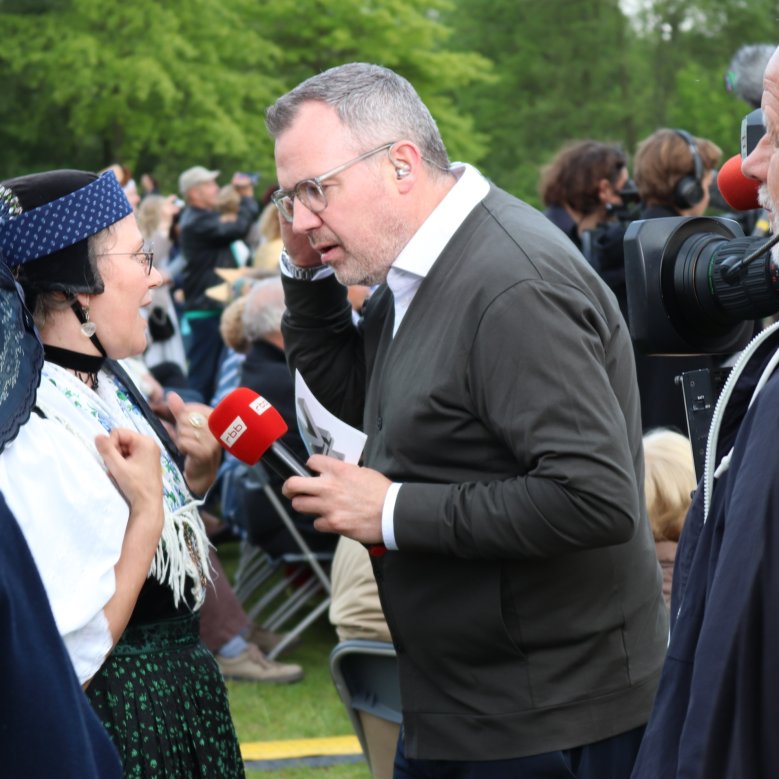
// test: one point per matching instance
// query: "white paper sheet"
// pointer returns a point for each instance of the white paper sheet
(321, 431)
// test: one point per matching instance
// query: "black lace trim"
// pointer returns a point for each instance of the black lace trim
(85, 366)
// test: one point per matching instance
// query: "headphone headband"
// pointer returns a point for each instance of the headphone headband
(697, 162)
(688, 191)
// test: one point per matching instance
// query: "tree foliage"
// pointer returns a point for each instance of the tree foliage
(573, 69)
(141, 82)
(161, 86)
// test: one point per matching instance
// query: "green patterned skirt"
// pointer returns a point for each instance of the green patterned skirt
(162, 699)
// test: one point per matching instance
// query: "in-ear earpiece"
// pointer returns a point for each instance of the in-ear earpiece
(402, 172)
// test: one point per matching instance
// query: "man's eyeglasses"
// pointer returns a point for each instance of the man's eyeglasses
(145, 258)
(310, 192)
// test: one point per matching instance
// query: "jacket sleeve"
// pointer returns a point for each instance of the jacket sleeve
(540, 376)
(208, 229)
(323, 343)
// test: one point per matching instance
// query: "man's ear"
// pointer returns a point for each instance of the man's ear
(405, 158)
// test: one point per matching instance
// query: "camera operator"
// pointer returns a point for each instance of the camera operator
(673, 172)
(718, 692)
(585, 188)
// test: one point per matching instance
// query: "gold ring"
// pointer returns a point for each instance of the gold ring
(197, 420)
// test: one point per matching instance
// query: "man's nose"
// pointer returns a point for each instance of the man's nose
(755, 166)
(303, 218)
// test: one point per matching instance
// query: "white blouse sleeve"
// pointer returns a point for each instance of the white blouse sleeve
(74, 520)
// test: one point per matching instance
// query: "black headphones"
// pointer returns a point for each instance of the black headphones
(688, 191)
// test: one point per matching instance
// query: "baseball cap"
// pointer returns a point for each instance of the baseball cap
(194, 176)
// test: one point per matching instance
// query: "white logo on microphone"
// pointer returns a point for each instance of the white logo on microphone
(233, 432)
(259, 406)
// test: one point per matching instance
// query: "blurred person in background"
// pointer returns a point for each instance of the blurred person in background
(205, 240)
(149, 185)
(165, 355)
(673, 171)
(669, 481)
(266, 257)
(584, 188)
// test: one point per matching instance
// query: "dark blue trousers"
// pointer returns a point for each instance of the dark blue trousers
(204, 347)
(611, 758)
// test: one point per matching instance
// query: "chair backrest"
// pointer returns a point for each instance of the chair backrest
(302, 593)
(365, 674)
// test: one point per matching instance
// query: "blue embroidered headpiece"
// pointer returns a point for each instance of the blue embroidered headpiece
(21, 358)
(46, 220)
(62, 222)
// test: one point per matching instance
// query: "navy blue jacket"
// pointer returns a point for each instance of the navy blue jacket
(47, 727)
(719, 691)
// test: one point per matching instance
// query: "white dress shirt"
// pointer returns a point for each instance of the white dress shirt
(412, 266)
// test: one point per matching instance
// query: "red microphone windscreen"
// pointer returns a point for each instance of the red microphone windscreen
(738, 191)
(245, 424)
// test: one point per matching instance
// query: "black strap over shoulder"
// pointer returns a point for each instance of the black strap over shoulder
(114, 367)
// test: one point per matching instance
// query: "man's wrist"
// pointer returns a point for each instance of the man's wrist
(296, 271)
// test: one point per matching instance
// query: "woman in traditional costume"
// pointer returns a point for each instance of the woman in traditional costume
(107, 502)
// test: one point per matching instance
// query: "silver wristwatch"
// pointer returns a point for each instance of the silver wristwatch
(295, 271)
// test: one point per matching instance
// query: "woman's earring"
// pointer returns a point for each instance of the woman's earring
(88, 329)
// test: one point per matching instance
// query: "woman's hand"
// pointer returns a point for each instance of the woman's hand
(194, 440)
(133, 461)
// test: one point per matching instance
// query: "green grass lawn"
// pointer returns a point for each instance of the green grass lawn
(310, 708)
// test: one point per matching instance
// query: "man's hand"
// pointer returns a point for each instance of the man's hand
(242, 184)
(346, 499)
(298, 247)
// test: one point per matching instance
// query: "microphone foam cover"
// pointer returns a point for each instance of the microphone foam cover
(245, 424)
(738, 191)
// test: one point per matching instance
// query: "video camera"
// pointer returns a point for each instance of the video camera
(695, 285)
(631, 203)
(602, 246)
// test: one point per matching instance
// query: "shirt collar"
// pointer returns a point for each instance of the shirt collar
(429, 241)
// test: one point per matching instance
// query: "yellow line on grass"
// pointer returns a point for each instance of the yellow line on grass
(300, 747)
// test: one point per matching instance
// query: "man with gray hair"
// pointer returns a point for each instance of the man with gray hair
(501, 486)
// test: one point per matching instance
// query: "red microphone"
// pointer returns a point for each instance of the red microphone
(248, 427)
(738, 191)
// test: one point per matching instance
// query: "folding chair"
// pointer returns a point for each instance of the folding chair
(303, 587)
(365, 674)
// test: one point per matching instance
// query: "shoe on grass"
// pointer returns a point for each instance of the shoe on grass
(252, 666)
(267, 640)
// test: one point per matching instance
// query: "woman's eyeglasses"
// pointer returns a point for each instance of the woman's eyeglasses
(145, 258)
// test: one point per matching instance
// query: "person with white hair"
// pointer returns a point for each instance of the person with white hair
(719, 685)
(265, 371)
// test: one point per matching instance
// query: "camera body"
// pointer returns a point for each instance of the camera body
(688, 291)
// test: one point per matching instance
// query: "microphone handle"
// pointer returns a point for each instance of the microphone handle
(283, 462)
